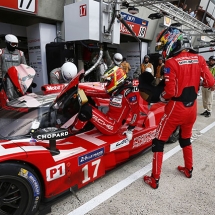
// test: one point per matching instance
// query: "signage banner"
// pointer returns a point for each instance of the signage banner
(27, 6)
(167, 21)
(138, 25)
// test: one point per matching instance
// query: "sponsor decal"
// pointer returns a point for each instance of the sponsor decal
(166, 70)
(33, 41)
(32, 180)
(102, 122)
(138, 25)
(133, 99)
(127, 92)
(160, 125)
(119, 144)
(116, 100)
(188, 61)
(52, 88)
(90, 156)
(145, 138)
(36, 200)
(57, 135)
(33, 47)
(55, 172)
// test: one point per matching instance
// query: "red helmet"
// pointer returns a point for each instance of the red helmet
(114, 77)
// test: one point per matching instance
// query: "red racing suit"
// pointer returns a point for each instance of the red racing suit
(182, 79)
(122, 103)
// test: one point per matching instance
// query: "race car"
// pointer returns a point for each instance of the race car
(42, 158)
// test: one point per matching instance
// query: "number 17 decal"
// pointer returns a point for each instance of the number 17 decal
(27, 5)
(85, 169)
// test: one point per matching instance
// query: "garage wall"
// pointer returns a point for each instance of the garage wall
(52, 9)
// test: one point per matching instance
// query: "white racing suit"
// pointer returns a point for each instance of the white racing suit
(56, 76)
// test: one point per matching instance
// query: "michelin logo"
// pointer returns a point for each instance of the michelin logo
(90, 156)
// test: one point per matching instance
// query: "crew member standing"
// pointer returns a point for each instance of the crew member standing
(159, 71)
(146, 64)
(207, 93)
(182, 73)
(10, 56)
(125, 66)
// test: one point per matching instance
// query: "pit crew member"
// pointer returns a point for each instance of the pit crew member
(10, 56)
(64, 74)
(182, 72)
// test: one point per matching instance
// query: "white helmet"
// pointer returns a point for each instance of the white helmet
(148, 70)
(68, 71)
(10, 38)
(117, 58)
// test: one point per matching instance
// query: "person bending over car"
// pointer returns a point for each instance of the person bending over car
(182, 72)
(64, 74)
(123, 101)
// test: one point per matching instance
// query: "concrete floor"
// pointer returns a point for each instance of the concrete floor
(122, 190)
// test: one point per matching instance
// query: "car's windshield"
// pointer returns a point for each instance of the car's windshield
(19, 121)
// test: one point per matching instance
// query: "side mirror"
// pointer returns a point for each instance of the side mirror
(52, 134)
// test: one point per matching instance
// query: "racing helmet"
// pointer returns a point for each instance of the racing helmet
(68, 71)
(11, 42)
(146, 56)
(117, 58)
(170, 42)
(212, 58)
(146, 59)
(114, 77)
(148, 70)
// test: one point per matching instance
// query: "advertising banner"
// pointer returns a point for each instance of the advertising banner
(138, 25)
(38, 36)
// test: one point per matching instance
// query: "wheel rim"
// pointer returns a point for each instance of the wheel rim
(12, 201)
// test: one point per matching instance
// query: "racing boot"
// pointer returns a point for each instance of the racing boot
(188, 161)
(153, 180)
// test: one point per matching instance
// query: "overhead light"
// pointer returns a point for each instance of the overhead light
(155, 16)
(133, 10)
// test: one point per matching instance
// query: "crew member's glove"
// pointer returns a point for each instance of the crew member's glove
(129, 132)
(162, 99)
(85, 113)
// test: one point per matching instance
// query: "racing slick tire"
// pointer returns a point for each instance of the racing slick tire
(174, 136)
(20, 189)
